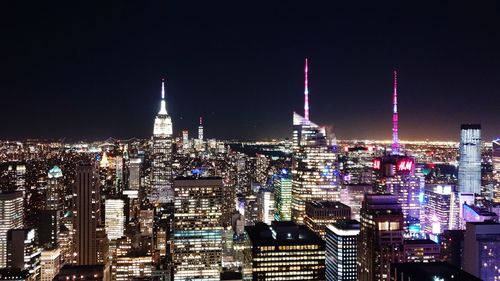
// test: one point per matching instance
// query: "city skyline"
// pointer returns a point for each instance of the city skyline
(244, 82)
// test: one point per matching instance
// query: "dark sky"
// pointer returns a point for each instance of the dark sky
(92, 70)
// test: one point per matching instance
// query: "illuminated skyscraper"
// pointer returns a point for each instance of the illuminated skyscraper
(50, 264)
(23, 251)
(314, 174)
(496, 171)
(319, 214)
(441, 209)
(135, 173)
(469, 166)
(285, 251)
(381, 237)
(200, 130)
(86, 214)
(395, 148)
(161, 169)
(342, 250)
(55, 189)
(283, 196)
(197, 229)
(114, 217)
(11, 210)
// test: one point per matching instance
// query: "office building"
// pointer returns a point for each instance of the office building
(283, 196)
(86, 215)
(9, 274)
(55, 189)
(23, 251)
(200, 130)
(134, 172)
(441, 208)
(50, 264)
(319, 214)
(265, 201)
(285, 251)
(352, 195)
(380, 237)
(342, 250)
(161, 167)
(421, 250)
(429, 272)
(482, 250)
(11, 208)
(197, 229)
(114, 217)
(314, 170)
(469, 165)
(132, 266)
(48, 228)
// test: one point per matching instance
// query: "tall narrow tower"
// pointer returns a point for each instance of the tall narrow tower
(306, 93)
(395, 138)
(161, 172)
(200, 129)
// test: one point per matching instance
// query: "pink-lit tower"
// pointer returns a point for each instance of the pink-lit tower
(306, 94)
(395, 139)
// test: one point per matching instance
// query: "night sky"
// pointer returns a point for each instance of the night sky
(92, 70)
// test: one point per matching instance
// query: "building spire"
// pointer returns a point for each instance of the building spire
(306, 93)
(395, 138)
(163, 103)
(201, 121)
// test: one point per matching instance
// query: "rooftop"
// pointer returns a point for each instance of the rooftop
(281, 233)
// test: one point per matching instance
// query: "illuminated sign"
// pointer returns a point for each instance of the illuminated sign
(404, 165)
(376, 164)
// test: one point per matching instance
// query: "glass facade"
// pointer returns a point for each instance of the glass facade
(469, 166)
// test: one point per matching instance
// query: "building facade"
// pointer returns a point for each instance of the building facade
(469, 166)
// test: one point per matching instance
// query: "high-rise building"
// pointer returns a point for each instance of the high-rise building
(95, 272)
(134, 172)
(132, 266)
(283, 196)
(381, 237)
(50, 264)
(285, 251)
(314, 171)
(469, 165)
(352, 195)
(161, 168)
(342, 250)
(48, 228)
(55, 189)
(319, 214)
(265, 201)
(185, 139)
(86, 216)
(114, 217)
(496, 171)
(421, 250)
(482, 250)
(200, 129)
(441, 208)
(23, 251)
(197, 229)
(11, 210)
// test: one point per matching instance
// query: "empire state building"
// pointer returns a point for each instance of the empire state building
(161, 170)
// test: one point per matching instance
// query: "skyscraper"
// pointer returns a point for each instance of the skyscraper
(314, 171)
(496, 171)
(381, 237)
(482, 250)
(283, 196)
(161, 169)
(200, 129)
(135, 173)
(11, 210)
(86, 214)
(197, 229)
(285, 251)
(55, 189)
(23, 251)
(342, 250)
(319, 214)
(469, 166)
(114, 217)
